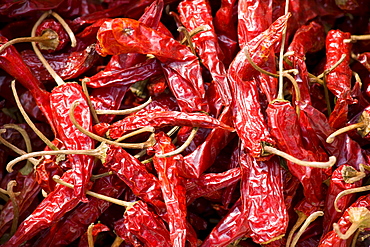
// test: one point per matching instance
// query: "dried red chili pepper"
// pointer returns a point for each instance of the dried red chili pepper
(144, 225)
(97, 228)
(46, 213)
(160, 119)
(181, 67)
(173, 189)
(341, 179)
(196, 13)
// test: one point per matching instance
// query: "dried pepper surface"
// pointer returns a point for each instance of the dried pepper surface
(196, 13)
(181, 67)
(61, 100)
(144, 225)
(173, 188)
(247, 115)
(160, 119)
(338, 81)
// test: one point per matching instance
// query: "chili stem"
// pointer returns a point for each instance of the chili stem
(331, 137)
(314, 164)
(280, 95)
(333, 67)
(44, 62)
(90, 238)
(351, 175)
(66, 28)
(9, 191)
(182, 147)
(127, 111)
(117, 242)
(348, 192)
(148, 143)
(128, 205)
(195, 31)
(256, 67)
(357, 37)
(99, 152)
(188, 38)
(29, 121)
(102, 175)
(354, 227)
(307, 222)
(301, 218)
(355, 238)
(136, 132)
(88, 100)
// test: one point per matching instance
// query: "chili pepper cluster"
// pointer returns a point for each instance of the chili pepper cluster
(184, 123)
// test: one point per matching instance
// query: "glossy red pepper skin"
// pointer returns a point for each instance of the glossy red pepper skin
(247, 115)
(337, 185)
(308, 38)
(144, 225)
(13, 64)
(46, 214)
(160, 119)
(71, 227)
(262, 188)
(181, 67)
(173, 189)
(284, 127)
(339, 80)
(195, 13)
(97, 228)
(61, 99)
(130, 170)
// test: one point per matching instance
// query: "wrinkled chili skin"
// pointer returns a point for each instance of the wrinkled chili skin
(61, 100)
(160, 119)
(58, 29)
(13, 64)
(126, 35)
(46, 213)
(337, 185)
(130, 170)
(339, 80)
(284, 127)
(173, 188)
(143, 224)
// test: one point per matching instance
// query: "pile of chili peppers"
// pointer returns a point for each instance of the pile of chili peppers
(185, 123)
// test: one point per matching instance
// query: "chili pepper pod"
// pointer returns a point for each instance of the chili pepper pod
(46, 214)
(196, 13)
(63, 37)
(181, 67)
(160, 119)
(144, 225)
(96, 229)
(341, 179)
(61, 100)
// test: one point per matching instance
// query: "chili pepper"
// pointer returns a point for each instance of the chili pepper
(144, 225)
(175, 61)
(338, 81)
(279, 112)
(225, 17)
(61, 100)
(58, 28)
(11, 62)
(210, 182)
(173, 189)
(341, 179)
(72, 226)
(261, 188)
(231, 227)
(308, 38)
(46, 213)
(251, 127)
(196, 13)
(98, 228)
(364, 59)
(144, 184)
(339, 116)
(164, 118)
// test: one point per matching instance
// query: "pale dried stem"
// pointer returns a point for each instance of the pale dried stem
(314, 164)
(357, 37)
(90, 238)
(348, 192)
(128, 205)
(354, 227)
(188, 38)
(88, 100)
(182, 147)
(323, 74)
(150, 142)
(355, 238)
(136, 132)
(9, 191)
(301, 218)
(307, 222)
(125, 112)
(66, 28)
(331, 137)
(102, 175)
(23, 40)
(29, 121)
(117, 242)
